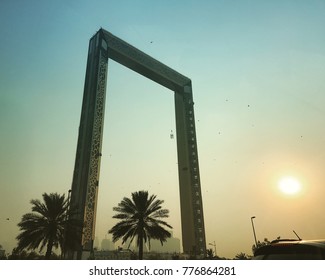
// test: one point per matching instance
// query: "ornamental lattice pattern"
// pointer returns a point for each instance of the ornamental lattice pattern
(94, 166)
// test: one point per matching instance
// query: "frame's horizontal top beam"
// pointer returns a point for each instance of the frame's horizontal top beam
(138, 61)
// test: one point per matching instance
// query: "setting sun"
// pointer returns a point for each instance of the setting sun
(289, 185)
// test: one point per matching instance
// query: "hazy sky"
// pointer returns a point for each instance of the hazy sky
(257, 70)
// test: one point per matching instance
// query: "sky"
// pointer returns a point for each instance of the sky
(257, 71)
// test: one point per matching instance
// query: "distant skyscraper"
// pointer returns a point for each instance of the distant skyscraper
(107, 245)
(172, 245)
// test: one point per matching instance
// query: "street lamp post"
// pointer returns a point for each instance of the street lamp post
(252, 218)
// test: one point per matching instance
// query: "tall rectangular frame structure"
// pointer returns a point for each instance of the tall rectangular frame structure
(102, 46)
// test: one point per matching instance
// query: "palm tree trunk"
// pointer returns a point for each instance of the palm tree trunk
(49, 249)
(140, 238)
(140, 247)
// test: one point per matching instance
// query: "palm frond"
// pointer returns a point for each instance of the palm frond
(47, 225)
(140, 218)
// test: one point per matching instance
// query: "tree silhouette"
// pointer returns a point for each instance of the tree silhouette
(261, 244)
(209, 254)
(141, 218)
(242, 256)
(46, 226)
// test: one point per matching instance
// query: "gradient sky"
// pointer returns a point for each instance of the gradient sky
(257, 70)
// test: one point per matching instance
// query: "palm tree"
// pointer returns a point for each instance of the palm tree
(140, 218)
(47, 225)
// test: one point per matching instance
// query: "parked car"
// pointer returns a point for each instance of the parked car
(289, 249)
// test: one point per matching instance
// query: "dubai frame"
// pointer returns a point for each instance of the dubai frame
(102, 46)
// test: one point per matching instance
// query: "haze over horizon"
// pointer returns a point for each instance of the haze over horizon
(257, 71)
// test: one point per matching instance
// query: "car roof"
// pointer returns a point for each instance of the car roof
(320, 243)
(314, 242)
(292, 246)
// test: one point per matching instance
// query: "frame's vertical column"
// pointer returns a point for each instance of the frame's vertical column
(87, 164)
(193, 233)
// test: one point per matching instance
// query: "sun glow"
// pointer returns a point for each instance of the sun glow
(289, 185)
